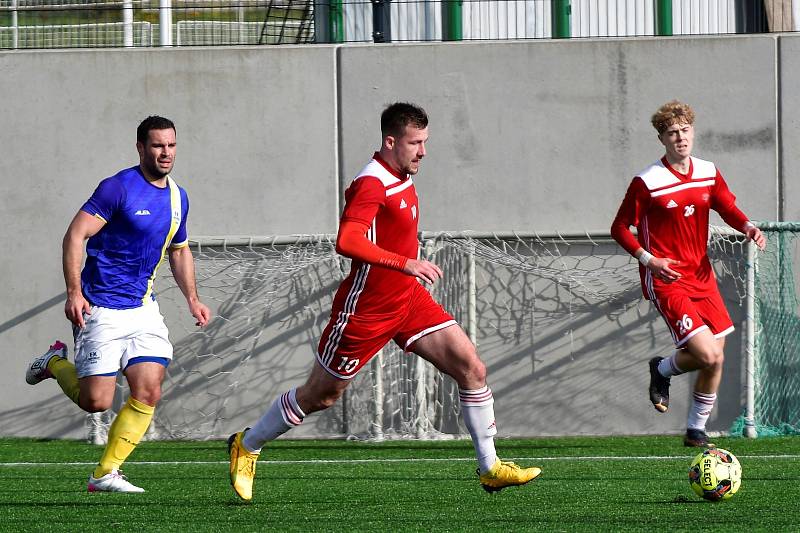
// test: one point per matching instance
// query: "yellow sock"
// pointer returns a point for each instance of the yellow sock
(66, 376)
(124, 434)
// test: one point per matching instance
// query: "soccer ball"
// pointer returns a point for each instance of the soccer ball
(715, 474)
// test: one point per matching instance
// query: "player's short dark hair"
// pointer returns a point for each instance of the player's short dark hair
(397, 116)
(153, 123)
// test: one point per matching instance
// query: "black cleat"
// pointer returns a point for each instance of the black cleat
(697, 438)
(659, 387)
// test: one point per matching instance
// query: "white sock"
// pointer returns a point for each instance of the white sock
(668, 366)
(282, 415)
(477, 409)
(702, 404)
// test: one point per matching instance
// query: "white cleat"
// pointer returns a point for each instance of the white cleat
(114, 481)
(37, 370)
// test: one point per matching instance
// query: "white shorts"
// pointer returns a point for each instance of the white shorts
(113, 337)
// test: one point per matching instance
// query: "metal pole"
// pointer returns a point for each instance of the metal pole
(14, 25)
(165, 22)
(663, 17)
(377, 372)
(322, 21)
(421, 399)
(240, 20)
(750, 306)
(381, 21)
(472, 305)
(127, 23)
(336, 21)
(561, 13)
(452, 28)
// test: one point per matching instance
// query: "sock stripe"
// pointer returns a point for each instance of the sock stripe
(705, 399)
(290, 415)
(480, 396)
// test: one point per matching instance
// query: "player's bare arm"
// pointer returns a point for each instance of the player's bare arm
(182, 264)
(659, 266)
(82, 227)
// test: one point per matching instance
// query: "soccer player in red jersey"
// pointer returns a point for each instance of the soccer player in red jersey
(382, 299)
(669, 203)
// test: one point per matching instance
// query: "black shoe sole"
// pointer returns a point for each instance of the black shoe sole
(662, 404)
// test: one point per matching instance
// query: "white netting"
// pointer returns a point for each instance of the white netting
(552, 297)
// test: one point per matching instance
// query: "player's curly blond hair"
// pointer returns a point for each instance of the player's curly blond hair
(673, 112)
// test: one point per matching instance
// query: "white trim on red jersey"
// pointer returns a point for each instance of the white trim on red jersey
(399, 188)
(657, 177)
(392, 183)
(376, 170)
(702, 169)
(682, 186)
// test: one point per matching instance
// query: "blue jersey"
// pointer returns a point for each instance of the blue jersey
(142, 220)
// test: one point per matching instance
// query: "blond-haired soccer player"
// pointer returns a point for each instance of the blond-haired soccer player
(669, 202)
(131, 221)
(381, 301)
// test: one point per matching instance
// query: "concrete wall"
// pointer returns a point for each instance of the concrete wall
(524, 135)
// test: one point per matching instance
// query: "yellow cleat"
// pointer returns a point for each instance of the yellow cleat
(506, 474)
(243, 466)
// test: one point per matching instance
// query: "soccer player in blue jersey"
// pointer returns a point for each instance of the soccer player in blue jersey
(132, 220)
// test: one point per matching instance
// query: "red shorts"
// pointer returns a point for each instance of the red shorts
(686, 316)
(349, 341)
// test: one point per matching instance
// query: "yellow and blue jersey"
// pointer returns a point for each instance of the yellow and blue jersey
(142, 221)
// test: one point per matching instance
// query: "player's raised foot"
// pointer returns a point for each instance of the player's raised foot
(243, 466)
(659, 387)
(697, 438)
(507, 474)
(114, 481)
(37, 370)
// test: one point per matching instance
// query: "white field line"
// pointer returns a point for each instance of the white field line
(409, 460)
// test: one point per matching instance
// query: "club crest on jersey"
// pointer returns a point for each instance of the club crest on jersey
(671, 204)
(414, 212)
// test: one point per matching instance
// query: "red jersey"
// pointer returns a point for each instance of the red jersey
(670, 211)
(387, 202)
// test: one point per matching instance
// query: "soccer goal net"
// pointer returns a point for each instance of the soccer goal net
(533, 303)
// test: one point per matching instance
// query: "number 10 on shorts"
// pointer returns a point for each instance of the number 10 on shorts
(348, 364)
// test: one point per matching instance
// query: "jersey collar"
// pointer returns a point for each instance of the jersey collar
(389, 169)
(682, 177)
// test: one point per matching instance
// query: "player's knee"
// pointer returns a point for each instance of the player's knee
(472, 375)
(478, 370)
(93, 404)
(711, 357)
(148, 396)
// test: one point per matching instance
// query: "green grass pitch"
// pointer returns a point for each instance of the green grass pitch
(594, 484)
